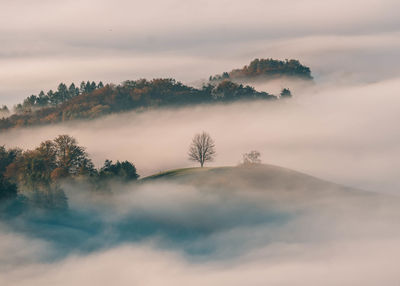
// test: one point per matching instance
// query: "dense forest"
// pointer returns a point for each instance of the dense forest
(92, 100)
(63, 105)
(35, 175)
(266, 69)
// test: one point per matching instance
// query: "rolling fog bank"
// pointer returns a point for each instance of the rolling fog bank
(342, 133)
(261, 226)
(222, 226)
(199, 230)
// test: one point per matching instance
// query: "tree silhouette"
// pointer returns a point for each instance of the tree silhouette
(202, 148)
(71, 157)
(253, 157)
(286, 93)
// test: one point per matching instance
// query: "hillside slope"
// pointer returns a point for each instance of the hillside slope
(273, 184)
(257, 176)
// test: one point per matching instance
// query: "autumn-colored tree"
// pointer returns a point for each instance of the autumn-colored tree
(31, 171)
(71, 157)
(93, 102)
(8, 189)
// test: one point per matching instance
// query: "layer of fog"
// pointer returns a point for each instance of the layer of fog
(355, 263)
(191, 234)
(52, 41)
(344, 131)
(184, 233)
(341, 133)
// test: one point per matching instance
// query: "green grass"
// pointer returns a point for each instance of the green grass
(257, 176)
(179, 172)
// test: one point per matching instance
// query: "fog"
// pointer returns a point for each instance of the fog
(330, 267)
(53, 41)
(238, 228)
(342, 133)
(190, 232)
(244, 230)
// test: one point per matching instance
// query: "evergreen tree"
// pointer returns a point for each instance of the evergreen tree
(4, 111)
(62, 93)
(43, 99)
(29, 102)
(286, 93)
(124, 171)
(93, 86)
(82, 88)
(52, 97)
(73, 91)
(18, 108)
(8, 190)
(88, 87)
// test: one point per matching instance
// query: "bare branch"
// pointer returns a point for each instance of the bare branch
(202, 148)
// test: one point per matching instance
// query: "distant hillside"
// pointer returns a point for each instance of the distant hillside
(95, 100)
(91, 100)
(267, 69)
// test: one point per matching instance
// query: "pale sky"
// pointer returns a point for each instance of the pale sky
(45, 42)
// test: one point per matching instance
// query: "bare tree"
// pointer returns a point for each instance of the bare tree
(253, 157)
(202, 148)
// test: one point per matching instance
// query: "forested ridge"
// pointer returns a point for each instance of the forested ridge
(267, 69)
(127, 96)
(91, 100)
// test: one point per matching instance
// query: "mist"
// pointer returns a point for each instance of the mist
(324, 207)
(112, 41)
(226, 229)
(197, 231)
(342, 133)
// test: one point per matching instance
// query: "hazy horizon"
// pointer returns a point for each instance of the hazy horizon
(49, 42)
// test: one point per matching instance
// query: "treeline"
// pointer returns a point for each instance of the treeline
(267, 68)
(4, 110)
(100, 100)
(54, 98)
(36, 174)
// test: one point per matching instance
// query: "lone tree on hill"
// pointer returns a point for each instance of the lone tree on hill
(202, 148)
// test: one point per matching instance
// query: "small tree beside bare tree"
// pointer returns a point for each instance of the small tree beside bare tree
(202, 148)
(253, 157)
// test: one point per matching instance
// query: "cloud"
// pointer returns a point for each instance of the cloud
(196, 234)
(17, 250)
(321, 130)
(353, 263)
(54, 41)
(244, 231)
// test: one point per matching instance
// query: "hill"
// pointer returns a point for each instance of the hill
(272, 184)
(100, 100)
(92, 100)
(267, 69)
(254, 176)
